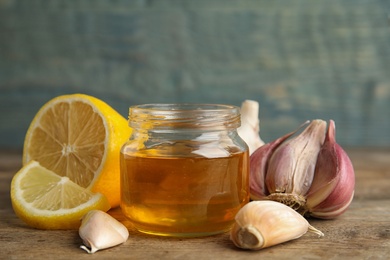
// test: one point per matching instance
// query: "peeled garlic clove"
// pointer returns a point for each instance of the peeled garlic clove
(291, 167)
(261, 224)
(250, 125)
(258, 162)
(99, 230)
(333, 185)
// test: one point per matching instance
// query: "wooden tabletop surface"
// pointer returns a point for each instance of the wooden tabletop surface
(363, 232)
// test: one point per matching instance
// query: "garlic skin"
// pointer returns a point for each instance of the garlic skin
(332, 189)
(309, 172)
(258, 163)
(291, 167)
(261, 224)
(250, 125)
(99, 230)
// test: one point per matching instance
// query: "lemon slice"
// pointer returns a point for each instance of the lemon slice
(79, 136)
(46, 200)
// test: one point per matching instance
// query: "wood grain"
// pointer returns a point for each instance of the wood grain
(301, 60)
(363, 232)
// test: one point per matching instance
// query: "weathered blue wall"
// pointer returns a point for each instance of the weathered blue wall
(300, 59)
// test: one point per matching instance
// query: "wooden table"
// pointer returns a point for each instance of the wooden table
(363, 232)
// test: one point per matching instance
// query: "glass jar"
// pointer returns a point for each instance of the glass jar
(184, 170)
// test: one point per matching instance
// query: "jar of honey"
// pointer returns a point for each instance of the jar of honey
(184, 170)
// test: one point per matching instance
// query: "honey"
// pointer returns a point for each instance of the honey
(172, 196)
(183, 179)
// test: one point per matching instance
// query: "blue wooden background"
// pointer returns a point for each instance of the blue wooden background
(299, 59)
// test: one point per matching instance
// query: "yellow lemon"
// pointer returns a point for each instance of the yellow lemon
(46, 200)
(79, 136)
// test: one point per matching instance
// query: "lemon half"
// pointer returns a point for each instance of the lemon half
(79, 136)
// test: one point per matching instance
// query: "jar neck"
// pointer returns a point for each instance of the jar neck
(187, 117)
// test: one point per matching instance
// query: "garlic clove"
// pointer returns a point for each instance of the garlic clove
(261, 224)
(258, 165)
(99, 230)
(250, 125)
(291, 167)
(332, 189)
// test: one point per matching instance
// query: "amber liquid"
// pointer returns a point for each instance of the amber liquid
(183, 196)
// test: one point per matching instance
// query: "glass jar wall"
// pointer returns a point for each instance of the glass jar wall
(184, 170)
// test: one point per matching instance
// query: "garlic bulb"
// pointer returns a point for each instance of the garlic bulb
(250, 125)
(99, 230)
(261, 224)
(309, 172)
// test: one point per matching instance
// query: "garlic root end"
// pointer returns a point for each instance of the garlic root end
(295, 201)
(249, 237)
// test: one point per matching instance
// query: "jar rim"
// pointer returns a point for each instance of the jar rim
(186, 115)
(171, 107)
